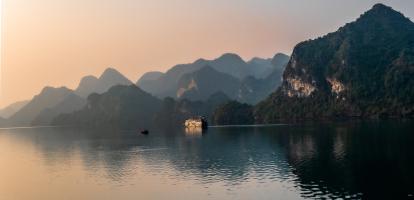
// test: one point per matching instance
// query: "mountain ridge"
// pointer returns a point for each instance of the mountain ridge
(109, 78)
(362, 70)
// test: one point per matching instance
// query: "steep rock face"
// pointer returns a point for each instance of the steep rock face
(363, 69)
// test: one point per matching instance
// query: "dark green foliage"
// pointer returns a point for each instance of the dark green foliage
(372, 57)
(126, 107)
(233, 113)
(175, 112)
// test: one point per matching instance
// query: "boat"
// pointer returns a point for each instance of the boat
(144, 132)
(196, 122)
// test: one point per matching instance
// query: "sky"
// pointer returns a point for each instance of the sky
(57, 42)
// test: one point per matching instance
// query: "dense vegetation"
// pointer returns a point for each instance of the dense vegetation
(372, 62)
(122, 106)
(175, 112)
(129, 107)
(365, 69)
(233, 113)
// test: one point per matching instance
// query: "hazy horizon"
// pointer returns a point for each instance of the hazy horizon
(56, 42)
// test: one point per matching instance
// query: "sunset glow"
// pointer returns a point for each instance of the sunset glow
(56, 42)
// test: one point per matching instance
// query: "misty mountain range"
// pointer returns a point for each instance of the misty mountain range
(185, 78)
(195, 82)
(363, 70)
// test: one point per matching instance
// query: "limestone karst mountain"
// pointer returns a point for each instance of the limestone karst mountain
(230, 64)
(149, 76)
(121, 106)
(9, 110)
(47, 98)
(248, 82)
(365, 69)
(110, 77)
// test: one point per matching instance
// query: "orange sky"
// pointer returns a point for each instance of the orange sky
(56, 42)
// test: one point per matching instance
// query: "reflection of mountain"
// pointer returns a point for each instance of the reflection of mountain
(359, 160)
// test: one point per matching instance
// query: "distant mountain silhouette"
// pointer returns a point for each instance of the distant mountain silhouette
(280, 60)
(69, 104)
(121, 106)
(253, 90)
(48, 98)
(149, 76)
(9, 110)
(262, 68)
(201, 84)
(86, 86)
(245, 81)
(167, 84)
(365, 69)
(110, 77)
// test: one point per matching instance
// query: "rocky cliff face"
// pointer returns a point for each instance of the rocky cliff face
(363, 69)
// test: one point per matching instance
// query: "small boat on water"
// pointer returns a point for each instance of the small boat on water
(144, 132)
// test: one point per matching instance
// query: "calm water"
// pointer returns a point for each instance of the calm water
(344, 160)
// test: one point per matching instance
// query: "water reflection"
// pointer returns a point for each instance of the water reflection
(194, 131)
(349, 160)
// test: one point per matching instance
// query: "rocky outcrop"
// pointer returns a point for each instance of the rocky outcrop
(364, 69)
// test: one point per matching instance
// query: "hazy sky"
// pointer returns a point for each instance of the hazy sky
(56, 42)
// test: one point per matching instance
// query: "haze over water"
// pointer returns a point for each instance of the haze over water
(348, 160)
